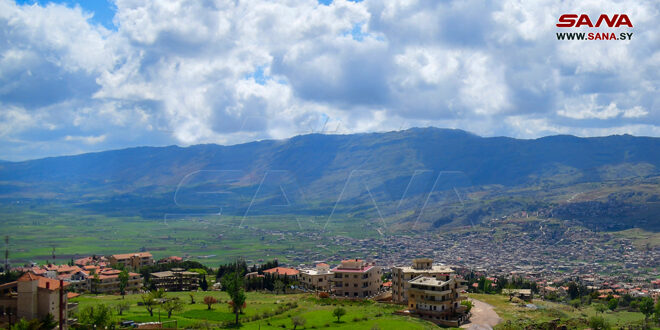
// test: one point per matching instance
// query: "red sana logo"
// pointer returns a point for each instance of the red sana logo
(573, 20)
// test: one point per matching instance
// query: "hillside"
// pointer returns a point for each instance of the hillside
(399, 172)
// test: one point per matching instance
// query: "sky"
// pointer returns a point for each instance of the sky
(82, 76)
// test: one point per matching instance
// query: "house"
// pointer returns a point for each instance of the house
(169, 260)
(420, 266)
(176, 280)
(33, 297)
(438, 300)
(355, 278)
(317, 279)
(281, 272)
(133, 261)
(523, 294)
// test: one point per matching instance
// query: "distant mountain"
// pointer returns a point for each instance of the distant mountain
(324, 172)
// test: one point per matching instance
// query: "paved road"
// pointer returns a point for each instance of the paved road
(483, 316)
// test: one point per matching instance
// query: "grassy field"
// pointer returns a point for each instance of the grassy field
(547, 311)
(276, 312)
(36, 233)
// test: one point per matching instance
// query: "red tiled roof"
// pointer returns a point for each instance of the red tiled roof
(44, 283)
(387, 284)
(129, 255)
(322, 264)
(282, 271)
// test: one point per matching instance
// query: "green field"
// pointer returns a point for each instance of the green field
(208, 239)
(316, 312)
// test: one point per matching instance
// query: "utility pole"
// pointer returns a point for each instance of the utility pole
(7, 254)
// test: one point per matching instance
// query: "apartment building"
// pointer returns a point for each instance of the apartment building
(176, 279)
(317, 279)
(355, 278)
(107, 281)
(438, 300)
(420, 266)
(133, 261)
(33, 297)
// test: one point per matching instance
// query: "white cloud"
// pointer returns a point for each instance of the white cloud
(227, 72)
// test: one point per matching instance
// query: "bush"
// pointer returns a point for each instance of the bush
(324, 295)
(598, 323)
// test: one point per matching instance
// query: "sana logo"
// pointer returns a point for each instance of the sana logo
(574, 20)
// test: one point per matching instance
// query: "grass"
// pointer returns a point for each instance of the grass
(316, 312)
(548, 311)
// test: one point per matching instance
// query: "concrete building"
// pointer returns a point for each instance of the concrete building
(34, 297)
(420, 266)
(176, 279)
(355, 278)
(133, 261)
(438, 300)
(317, 279)
(107, 281)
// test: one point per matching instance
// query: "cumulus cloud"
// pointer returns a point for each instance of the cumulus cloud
(186, 72)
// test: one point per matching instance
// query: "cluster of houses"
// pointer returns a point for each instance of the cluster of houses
(432, 292)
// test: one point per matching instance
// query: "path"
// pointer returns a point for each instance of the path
(483, 316)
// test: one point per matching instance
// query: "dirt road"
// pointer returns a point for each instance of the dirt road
(483, 317)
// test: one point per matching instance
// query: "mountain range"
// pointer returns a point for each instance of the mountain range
(318, 174)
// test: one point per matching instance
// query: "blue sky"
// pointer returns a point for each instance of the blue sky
(81, 76)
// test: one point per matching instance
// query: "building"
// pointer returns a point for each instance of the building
(438, 300)
(317, 279)
(176, 280)
(107, 281)
(280, 272)
(170, 259)
(133, 261)
(34, 297)
(420, 266)
(355, 278)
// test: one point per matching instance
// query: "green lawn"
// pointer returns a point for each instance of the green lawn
(316, 312)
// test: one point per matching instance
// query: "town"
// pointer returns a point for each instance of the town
(421, 288)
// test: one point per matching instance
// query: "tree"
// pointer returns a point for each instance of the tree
(656, 314)
(209, 301)
(510, 290)
(573, 290)
(98, 316)
(298, 321)
(233, 283)
(278, 285)
(123, 282)
(600, 308)
(338, 313)
(613, 304)
(95, 283)
(204, 285)
(646, 307)
(172, 305)
(192, 298)
(48, 322)
(122, 307)
(598, 323)
(148, 302)
(468, 305)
